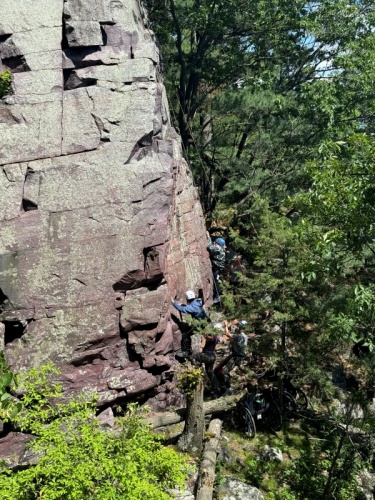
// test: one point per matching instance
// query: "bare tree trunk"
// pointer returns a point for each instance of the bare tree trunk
(284, 360)
(206, 128)
(191, 439)
(207, 469)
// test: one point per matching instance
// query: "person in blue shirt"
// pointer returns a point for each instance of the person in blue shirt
(206, 353)
(195, 308)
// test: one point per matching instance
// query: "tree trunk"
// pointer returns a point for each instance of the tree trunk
(207, 469)
(206, 129)
(327, 486)
(191, 439)
(209, 407)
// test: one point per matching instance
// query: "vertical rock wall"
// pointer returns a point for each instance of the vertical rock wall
(100, 223)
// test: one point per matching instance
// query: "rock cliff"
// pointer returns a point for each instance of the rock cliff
(100, 223)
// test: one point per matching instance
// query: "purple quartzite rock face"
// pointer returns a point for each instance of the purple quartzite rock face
(13, 450)
(100, 223)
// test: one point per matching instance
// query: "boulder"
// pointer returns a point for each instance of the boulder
(14, 452)
(271, 454)
(366, 483)
(234, 489)
(181, 495)
(106, 418)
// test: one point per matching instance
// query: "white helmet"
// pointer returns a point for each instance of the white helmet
(190, 295)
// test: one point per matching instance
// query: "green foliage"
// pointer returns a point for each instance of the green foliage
(9, 406)
(322, 467)
(342, 198)
(275, 104)
(5, 83)
(77, 459)
(266, 475)
(276, 257)
(257, 85)
(338, 225)
(307, 475)
(199, 326)
(40, 399)
(189, 377)
(356, 321)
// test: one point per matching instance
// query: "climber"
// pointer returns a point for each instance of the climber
(238, 340)
(217, 251)
(195, 308)
(206, 355)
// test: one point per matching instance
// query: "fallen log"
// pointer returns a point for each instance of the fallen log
(167, 418)
(206, 476)
(220, 405)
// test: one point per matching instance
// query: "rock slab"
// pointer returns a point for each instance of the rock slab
(100, 222)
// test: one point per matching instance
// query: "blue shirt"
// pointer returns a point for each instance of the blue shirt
(195, 308)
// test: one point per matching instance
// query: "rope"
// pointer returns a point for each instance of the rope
(217, 294)
(174, 118)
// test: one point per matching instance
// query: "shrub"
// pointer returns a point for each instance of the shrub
(9, 406)
(77, 459)
(5, 83)
(189, 377)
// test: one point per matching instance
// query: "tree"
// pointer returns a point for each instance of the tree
(269, 80)
(275, 105)
(338, 223)
(191, 383)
